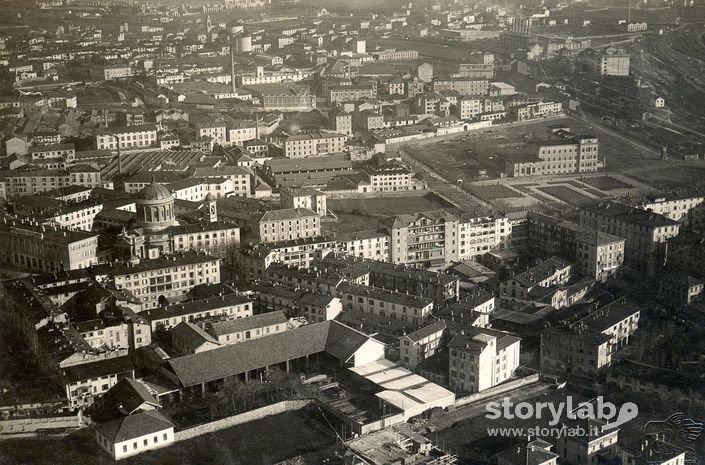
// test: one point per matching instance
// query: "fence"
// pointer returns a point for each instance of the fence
(252, 415)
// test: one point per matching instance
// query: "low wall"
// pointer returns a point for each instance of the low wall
(505, 387)
(18, 427)
(252, 415)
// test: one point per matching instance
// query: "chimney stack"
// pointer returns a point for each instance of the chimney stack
(232, 67)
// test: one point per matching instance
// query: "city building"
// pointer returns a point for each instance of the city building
(245, 329)
(481, 358)
(385, 303)
(578, 154)
(313, 145)
(646, 233)
(548, 273)
(585, 343)
(126, 137)
(421, 344)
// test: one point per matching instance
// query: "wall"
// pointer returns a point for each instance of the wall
(23, 427)
(508, 386)
(274, 409)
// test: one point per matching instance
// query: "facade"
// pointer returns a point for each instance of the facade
(599, 254)
(155, 281)
(126, 137)
(288, 224)
(312, 145)
(440, 237)
(225, 306)
(646, 233)
(134, 434)
(464, 86)
(339, 94)
(28, 245)
(245, 329)
(586, 343)
(381, 302)
(86, 382)
(481, 358)
(421, 344)
(685, 210)
(318, 307)
(577, 156)
(304, 197)
(373, 245)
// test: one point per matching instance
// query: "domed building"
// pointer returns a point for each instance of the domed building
(155, 208)
(157, 232)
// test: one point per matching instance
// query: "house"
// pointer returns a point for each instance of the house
(188, 338)
(536, 452)
(135, 434)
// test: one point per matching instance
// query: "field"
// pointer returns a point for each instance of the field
(388, 206)
(568, 195)
(463, 156)
(269, 440)
(606, 183)
(494, 192)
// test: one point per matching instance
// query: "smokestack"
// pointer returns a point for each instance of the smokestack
(232, 67)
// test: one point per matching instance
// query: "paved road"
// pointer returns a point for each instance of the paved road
(477, 409)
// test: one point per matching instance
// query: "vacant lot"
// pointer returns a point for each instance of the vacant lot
(264, 441)
(389, 205)
(606, 183)
(568, 195)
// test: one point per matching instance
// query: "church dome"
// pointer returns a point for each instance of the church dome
(154, 192)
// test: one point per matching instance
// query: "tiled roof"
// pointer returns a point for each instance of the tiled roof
(134, 426)
(105, 367)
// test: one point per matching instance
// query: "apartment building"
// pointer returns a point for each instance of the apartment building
(536, 110)
(612, 62)
(464, 86)
(319, 307)
(315, 144)
(387, 177)
(646, 233)
(155, 281)
(241, 179)
(385, 303)
(241, 131)
(288, 224)
(351, 93)
(86, 382)
(599, 254)
(421, 344)
(396, 55)
(577, 155)
(225, 306)
(215, 238)
(469, 107)
(31, 246)
(248, 328)
(214, 128)
(552, 272)
(481, 358)
(253, 261)
(686, 210)
(132, 332)
(584, 343)
(373, 245)
(43, 152)
(440, 237)
(37, 181)
(126, 137)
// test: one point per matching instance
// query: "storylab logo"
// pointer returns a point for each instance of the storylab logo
(556, 412)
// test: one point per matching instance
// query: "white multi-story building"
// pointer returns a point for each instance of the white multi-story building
(481, 358)
(126, 137)
(316, 144)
